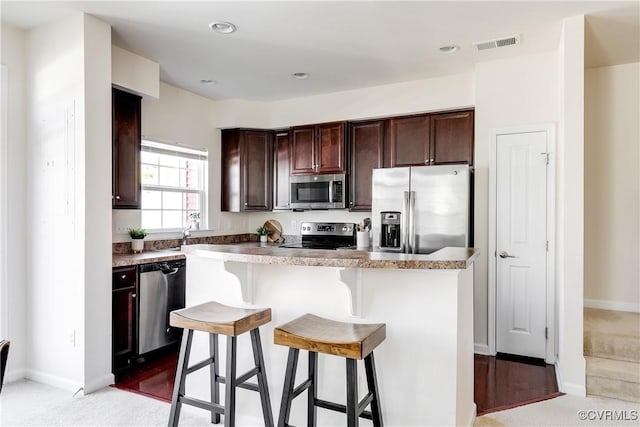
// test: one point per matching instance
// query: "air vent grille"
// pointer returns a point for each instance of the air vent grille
(502, 42)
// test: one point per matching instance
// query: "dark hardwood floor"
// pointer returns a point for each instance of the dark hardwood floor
(505, 382)
(500, 383)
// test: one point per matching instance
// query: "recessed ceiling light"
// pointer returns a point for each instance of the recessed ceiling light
(449, 49)
(207, 82)
(222, 27)
(300, 76)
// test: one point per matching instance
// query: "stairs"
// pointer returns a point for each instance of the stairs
(612, 353)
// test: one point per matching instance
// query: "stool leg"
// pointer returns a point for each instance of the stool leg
(181, 374)
(214, 374)
(352, 393)
(372, 383)
(263, 386)
(287, 390)
(312, 393)
(230, 383)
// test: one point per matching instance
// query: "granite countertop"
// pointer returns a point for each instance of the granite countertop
(267, 253)
(125, 260)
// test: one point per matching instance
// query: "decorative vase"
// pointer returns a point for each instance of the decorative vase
(263, 238)
(137, 245)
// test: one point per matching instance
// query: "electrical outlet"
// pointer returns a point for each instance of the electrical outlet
(122, 229)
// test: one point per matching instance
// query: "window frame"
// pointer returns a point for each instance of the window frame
(179, 151)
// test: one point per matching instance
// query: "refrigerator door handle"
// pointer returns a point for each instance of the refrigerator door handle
(412, 224)
(404, 224)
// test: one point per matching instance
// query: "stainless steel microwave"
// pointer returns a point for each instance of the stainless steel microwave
(318, 191)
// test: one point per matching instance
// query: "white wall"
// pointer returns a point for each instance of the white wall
(55, 236)
(95, 207)
(511, 92)
(14, 177)
(612, 187)
(134, 73)
(570, 207)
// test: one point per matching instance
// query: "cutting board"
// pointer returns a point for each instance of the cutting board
(275, 230)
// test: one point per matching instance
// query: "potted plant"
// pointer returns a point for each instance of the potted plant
(195, 220)
(137, 239)
(263, 232)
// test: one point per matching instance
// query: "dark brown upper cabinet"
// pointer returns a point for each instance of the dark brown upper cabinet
(452, 138)
(247, 161)
(408, 142)
(318, 148)
(430, 139)
(366, 141)
(127, 137)
(281, 170)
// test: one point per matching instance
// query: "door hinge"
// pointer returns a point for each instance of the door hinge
(546, 245)
(546, 158)
(546, 333)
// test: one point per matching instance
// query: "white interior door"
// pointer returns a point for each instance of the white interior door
(521, 243)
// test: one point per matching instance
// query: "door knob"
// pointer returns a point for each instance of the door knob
(504, 254)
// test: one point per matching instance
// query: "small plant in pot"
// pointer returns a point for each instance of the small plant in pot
(195, 220)
(137, 239)
(263, 232)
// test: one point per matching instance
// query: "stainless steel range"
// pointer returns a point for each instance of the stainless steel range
(326, 235)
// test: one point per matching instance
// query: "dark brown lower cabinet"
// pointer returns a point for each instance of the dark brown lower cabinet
(124, 309)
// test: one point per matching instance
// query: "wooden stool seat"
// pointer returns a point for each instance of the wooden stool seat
(216, 318)
(353, 341)
(219, 319)
(314, 333)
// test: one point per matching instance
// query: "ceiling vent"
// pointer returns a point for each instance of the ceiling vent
(492, 44)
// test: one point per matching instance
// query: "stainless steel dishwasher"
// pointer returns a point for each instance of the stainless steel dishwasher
(162, 289)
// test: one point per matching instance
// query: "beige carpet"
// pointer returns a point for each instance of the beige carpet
(26, 403)
(567, 411)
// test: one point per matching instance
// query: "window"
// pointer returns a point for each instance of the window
(174, 183)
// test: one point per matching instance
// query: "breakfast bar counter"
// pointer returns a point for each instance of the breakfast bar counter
(425, 365)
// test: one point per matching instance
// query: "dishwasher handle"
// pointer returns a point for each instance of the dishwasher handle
(169, 271)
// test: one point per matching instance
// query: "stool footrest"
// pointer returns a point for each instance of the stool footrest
(200, 365)
(342, 408)
(219, 409)
(301, 388)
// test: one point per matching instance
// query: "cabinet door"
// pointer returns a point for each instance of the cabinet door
(302, 150)
(452, 138)
(230, 173)
(126, 134)
(330, 148)
(256, 156)
(281, 170)
(366, 154)
(408, 141)
(124, 309)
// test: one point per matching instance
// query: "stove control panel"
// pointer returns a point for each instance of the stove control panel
(327, 229)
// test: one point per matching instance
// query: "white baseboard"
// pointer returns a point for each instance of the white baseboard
(612, 305)
(98, 383)
(566, 387)
(53, 380)
(471, 419)
(14, 375)
(481, 349)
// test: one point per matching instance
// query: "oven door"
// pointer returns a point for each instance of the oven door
(317, 192)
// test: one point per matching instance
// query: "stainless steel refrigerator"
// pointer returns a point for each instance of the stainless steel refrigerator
(421, 209)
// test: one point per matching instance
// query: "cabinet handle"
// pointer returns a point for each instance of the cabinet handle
(133, 295)
(351, 203)
(117, 197)
(124, 276)
(431, 161)
(426, 162)
(246, 204)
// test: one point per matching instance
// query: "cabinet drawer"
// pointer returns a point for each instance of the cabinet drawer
(124, 277)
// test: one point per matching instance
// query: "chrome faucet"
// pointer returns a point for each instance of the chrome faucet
(186, 233)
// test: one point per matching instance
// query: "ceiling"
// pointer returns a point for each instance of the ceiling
(342, 45)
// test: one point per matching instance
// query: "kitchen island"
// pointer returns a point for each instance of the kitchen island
(425, 366)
